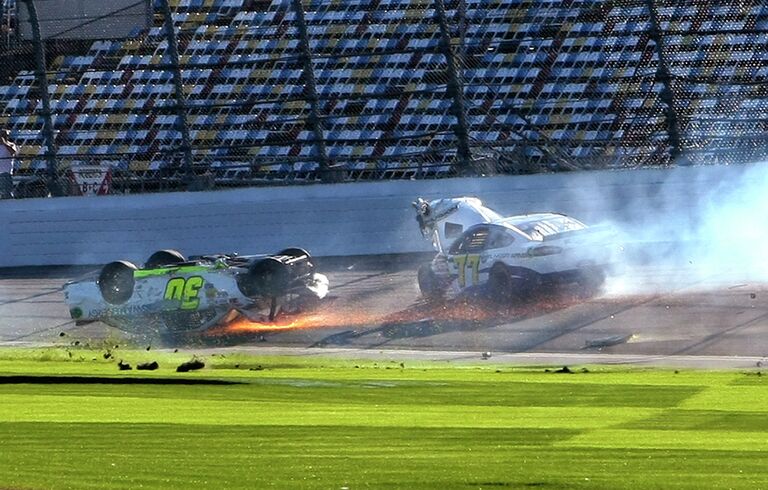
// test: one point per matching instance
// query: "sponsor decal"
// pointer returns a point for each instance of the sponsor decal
(210, 291)
(221, 298)
(92, 180)
(508, 256)
(129, 310)
(163, 271)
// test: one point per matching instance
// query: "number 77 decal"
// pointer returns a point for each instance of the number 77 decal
(472, 262)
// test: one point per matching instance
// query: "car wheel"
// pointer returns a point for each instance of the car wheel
(500, 284)
(294, 252)
(300, 267)
(591, 281)
(268, 278)
(429, 283)
(164, 257)
(116, 282)
(507, 286)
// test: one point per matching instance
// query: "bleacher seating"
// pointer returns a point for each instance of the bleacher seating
(543, 81)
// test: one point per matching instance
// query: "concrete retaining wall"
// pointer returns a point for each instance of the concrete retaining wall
(330, 220)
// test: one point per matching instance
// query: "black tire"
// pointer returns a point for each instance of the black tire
(116, 282)
(590, 281)
(293, 252)
(267, 278)
(164, 257)
(300, 261)
(429, 284)
(297, 252)
(511, 286)
(500, 284)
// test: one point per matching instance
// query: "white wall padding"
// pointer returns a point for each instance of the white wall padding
(330, 220)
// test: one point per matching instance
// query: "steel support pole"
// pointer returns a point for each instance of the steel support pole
(663, 75)
(455, 90)
(313, 121)
(181, 106)
(54, 186)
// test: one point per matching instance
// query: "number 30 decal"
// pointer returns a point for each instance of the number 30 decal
(185, 290)
(472, 262)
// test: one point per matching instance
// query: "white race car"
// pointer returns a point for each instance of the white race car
(172, 295)
(508, 258)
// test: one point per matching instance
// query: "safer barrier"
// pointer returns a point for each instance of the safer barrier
(345, 219)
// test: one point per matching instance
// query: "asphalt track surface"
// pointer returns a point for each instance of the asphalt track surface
(649, 315)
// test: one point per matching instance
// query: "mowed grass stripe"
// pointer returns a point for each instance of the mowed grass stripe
(295, 424)
(741, 398)
(243, 457)
(711, 440)
(53, 455)
(705, 420)
(314, 410)
(482, 392)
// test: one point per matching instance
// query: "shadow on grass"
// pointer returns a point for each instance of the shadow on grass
(91, 380)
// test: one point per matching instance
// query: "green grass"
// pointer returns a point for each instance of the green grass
(288, 422)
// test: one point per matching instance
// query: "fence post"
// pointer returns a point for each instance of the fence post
(6, 27)
(181, 108)
(54, 186)
(314, 122)
(455, 90)
(663, 75)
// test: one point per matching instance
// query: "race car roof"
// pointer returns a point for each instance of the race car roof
(439, 208)
(540, 225)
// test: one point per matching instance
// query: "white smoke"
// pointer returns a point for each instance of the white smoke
(699, 234)
(679, 228)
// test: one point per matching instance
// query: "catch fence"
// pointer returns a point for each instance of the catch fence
(222, 93)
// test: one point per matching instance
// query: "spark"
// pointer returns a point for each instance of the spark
(472, 311)
(314, 320)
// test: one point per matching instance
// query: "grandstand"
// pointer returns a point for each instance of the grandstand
(369, 89)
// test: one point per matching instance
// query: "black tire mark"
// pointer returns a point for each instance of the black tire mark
(42, 330)
(712, 338)
(579, 326)
(26, 298)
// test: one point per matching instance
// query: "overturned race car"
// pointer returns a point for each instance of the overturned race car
(172, 295)
(508, 258)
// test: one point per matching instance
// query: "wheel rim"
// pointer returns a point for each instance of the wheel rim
(116, 282)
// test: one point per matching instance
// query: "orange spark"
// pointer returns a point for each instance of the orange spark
(313, 320)
(473, 310)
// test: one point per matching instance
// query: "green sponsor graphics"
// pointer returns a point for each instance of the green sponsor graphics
(190, 269)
